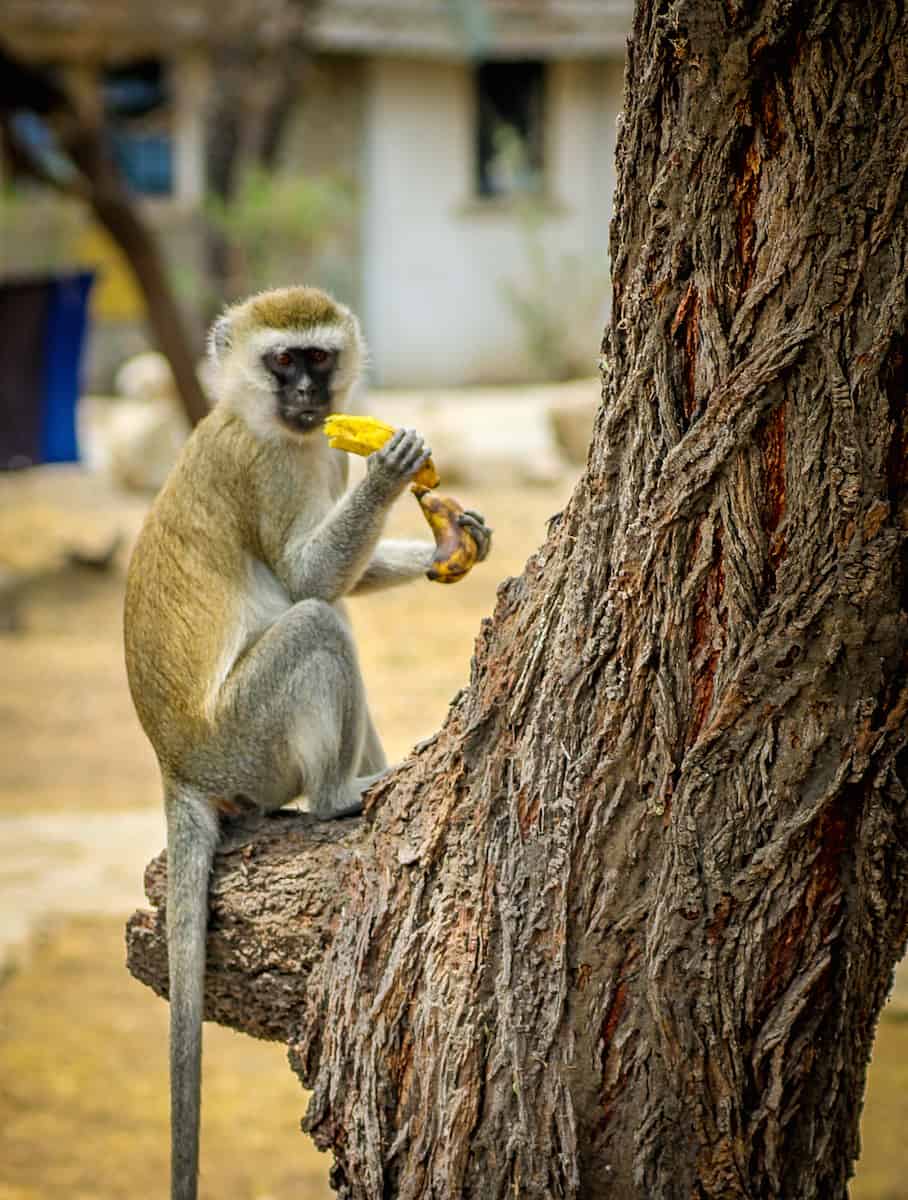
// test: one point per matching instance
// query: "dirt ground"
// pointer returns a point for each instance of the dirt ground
(83, 1046)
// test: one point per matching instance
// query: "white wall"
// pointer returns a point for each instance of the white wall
(191, 79)
(436, 256)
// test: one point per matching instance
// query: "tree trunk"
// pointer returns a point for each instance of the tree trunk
(623, 928)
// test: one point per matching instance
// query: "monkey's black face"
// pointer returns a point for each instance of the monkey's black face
(302, 382)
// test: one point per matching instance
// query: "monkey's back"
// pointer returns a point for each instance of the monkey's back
(184, 576)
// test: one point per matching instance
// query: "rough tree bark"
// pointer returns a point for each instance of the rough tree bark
(624, 926)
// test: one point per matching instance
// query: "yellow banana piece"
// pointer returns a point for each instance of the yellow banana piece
(455, 547)
(363, 435)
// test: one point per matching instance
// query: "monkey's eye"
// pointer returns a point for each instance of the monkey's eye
(317, 357)
(283, 358)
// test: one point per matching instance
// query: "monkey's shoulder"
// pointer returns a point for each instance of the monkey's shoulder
(216, 489)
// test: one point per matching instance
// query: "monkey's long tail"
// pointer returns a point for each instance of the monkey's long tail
(192, 837)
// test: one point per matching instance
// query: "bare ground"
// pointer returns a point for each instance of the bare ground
(83, 1084)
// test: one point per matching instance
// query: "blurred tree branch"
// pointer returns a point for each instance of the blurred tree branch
(80, 166)
(257, 88)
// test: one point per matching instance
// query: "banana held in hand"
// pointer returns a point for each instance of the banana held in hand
(456, 549)
(363, 435)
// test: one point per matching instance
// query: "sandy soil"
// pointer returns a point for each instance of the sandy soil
(82, 1090)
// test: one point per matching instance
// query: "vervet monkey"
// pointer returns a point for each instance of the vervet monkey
(240, 658)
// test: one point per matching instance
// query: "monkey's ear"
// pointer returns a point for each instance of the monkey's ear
(219, 339)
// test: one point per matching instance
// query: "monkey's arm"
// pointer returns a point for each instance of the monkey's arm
(326, 562)
(394, 562)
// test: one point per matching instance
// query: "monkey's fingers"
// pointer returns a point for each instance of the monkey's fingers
(406, 452)
(418, 463)
(421, 454)
(482, 533)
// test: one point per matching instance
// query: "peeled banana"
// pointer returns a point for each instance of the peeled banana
(455, 547)
(363, 435)
(456, 550)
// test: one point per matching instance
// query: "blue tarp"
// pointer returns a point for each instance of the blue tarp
(44, 322)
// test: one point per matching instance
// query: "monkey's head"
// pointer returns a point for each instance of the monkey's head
(286, 359)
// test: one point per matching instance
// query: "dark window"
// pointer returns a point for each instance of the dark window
(510, 102)
(137, 114)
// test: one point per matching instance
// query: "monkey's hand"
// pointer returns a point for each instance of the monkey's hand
(395, 464)
(462, 539)
(475, 524)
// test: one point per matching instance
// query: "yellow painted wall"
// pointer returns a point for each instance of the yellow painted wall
(115, 296)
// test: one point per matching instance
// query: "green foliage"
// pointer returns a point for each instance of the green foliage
(559, 303)
(277, 224)
(40, 229)
(511, 165)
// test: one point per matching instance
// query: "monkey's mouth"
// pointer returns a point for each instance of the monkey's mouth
(303, 420)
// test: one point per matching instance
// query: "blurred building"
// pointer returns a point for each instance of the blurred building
(479, 135)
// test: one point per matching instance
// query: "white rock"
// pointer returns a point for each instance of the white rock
(478, 434)
(136, 438)
(146, 377)
(143, 441)
(571, 414)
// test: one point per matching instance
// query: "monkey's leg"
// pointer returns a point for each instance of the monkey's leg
(292, 715)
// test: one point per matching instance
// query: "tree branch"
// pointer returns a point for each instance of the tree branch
(276, 898)
(95, 180)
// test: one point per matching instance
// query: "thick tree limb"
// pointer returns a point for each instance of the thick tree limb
(262, 948)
